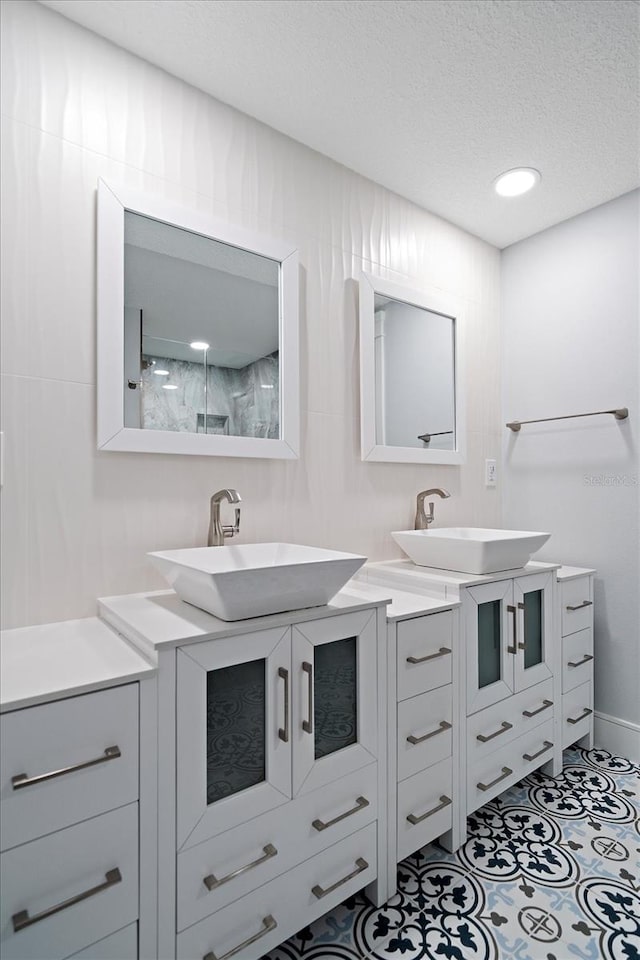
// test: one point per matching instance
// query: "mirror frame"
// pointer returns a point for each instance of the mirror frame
(113, 201)
(428, 299)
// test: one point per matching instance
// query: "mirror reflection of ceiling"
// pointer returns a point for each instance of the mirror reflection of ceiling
(191, 287)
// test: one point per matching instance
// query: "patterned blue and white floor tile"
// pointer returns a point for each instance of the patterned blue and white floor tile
(550, 871)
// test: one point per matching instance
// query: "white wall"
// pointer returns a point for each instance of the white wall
(76, 524)
(570, 345)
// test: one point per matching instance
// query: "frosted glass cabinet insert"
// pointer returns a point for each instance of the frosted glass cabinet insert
(509, 629)
(265, 716)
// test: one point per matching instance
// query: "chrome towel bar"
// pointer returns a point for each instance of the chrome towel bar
(621, 413)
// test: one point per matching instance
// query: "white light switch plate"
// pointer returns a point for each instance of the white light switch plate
(490, 473)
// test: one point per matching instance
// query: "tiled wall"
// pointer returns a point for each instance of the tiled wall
(76, 524)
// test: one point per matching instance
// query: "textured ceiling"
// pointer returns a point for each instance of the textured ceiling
(431, 98)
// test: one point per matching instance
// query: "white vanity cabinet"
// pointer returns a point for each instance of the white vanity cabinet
(575, 595)
(510, 676)
(270, 772)
(69, 780)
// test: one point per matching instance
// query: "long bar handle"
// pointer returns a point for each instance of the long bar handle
(506, 772)
(579, 606)
(444, 802)
(268, 924)
(361, 803)
(504, 726)
(585, 713)
(319, 892)
(212, 883)
(22, 919)
(532, 713)
(620, 413)
(513, 610)
(546, 745)
(442, 726)
(442, 652)
(307, 725)
(22, 780)
(283, 732)
(578, 663)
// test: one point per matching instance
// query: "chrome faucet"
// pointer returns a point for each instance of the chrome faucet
(217, 530)
(424, 519)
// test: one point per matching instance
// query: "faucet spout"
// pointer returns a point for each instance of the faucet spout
(217, 530)
(423, 519)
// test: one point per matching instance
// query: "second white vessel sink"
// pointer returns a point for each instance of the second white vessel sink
(470, 549)
(239, 581)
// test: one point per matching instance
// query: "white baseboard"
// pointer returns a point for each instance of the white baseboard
(619, 737)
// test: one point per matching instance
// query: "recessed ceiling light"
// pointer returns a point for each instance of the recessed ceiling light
(169, 386)
(267, 386)
(199, 345)
(515, 182)
(161, 373)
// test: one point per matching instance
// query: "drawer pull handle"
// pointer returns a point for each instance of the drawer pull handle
(532, 713)
(22, 780)
(283, 732)
(578, 663)
(442, 652)
(546, 745)
(307, 725)
(506, 772)
(585, 713)
(504, 726)
(444, 802)
(268, 924)
(319, 892)
(442, 726)
(579, 606)
(212, 883)
(361, 803)
(22, 919)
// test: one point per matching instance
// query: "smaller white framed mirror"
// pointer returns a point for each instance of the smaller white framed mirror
(197, 343)
(411, 396)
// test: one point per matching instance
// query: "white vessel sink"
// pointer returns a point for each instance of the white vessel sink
(236, 582)
(470, 549)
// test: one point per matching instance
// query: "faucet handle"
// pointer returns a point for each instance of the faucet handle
(232, 531)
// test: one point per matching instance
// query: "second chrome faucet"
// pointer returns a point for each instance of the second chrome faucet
(217, 530)
(424, 519)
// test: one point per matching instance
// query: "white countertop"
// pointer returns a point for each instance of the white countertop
(404, 605)
(160, 620)
(572, 573)
(56, 660)
(445, 584)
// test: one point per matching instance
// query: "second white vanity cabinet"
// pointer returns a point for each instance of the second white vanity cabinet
(270, 769)
(575, 589)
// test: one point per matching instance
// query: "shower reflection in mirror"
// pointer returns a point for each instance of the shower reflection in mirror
(201, 333)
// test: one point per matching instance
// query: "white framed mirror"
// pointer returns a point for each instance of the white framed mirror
(197, 345)
(411, 398)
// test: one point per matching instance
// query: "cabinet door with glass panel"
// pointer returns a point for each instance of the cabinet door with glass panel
(233, 731)
(508, 629)
(334, 698)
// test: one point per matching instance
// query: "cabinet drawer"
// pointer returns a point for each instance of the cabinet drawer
(426, 798)
(424, 730)
(122, 945)
(88, 743)
(274, 911)
(576, 601)
(424, 653)
(272, 843)
(490, 776)
(577, 659)
(492, 728)
(95, 861)
(577, 713)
